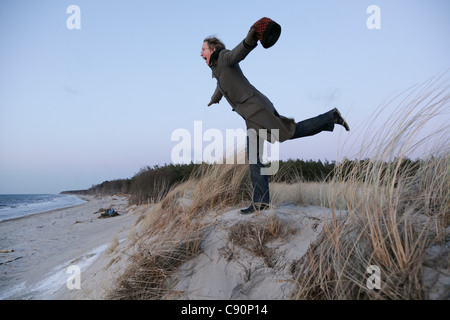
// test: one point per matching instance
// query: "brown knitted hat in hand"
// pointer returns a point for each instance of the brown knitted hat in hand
(267, 31)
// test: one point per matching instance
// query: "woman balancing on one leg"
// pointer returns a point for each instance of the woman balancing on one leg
(256, 109)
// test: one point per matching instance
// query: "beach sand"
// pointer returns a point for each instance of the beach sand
(46, 244)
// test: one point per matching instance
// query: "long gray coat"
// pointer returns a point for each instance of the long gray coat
(256, 109)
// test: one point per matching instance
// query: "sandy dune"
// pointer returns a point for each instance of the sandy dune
(229, 270)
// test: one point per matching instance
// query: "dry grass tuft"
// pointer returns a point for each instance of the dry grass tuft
(220, 186)
(254, 236)
(150, 269)
(113, 245)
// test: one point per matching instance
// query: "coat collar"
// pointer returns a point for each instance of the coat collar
(214, 57)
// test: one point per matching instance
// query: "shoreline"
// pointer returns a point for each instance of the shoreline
(45, 244)
(45, 212)
(88, 198)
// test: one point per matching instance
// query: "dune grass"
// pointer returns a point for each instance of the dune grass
(394, 212)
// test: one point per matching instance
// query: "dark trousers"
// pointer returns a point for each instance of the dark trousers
(305, 128)
(260, 182)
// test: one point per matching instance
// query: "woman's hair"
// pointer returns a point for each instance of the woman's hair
(214, 43)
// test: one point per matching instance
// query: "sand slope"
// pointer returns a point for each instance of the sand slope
(222, 269)
(231, 268)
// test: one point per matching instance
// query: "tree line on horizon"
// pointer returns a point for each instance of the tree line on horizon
(151, 184)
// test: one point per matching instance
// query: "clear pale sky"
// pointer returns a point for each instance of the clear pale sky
(81, 106)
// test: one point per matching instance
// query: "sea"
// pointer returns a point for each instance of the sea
(20, 205)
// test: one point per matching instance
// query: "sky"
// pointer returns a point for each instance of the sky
(79, 106)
